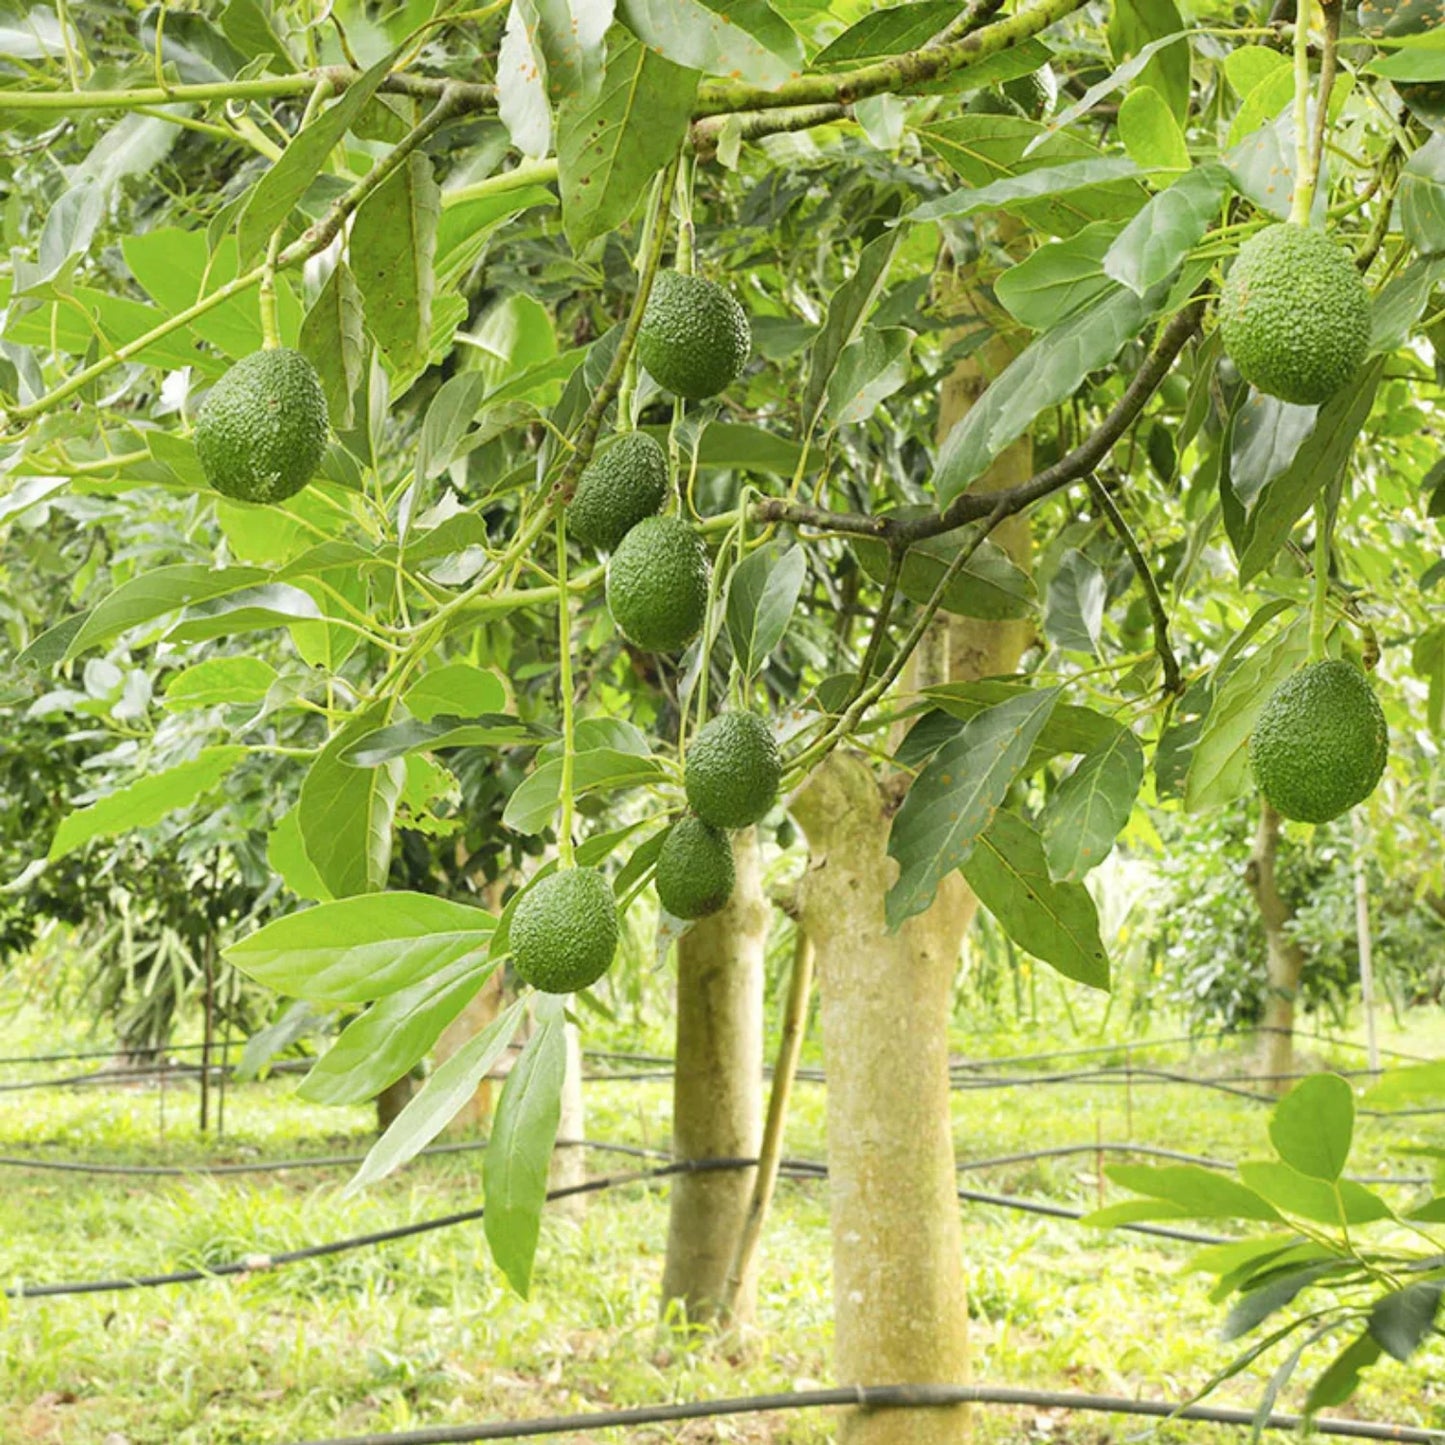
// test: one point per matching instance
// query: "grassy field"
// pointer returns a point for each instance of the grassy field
(424, 1332)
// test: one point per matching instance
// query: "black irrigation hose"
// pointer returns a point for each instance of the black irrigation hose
(115, 1051)
(796, 1169)
(177, 1072)
(876, 1397)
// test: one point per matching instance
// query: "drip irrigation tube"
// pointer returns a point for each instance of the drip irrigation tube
(891, 1397)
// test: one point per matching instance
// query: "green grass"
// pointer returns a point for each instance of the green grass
(425, 1331)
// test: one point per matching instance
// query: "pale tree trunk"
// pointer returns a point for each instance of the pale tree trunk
(717, 1092)
(1284, 959)
(392, 1100)
(900, 1304)
(899, 1293)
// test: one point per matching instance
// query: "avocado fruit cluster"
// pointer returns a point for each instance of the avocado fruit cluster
(1294, 314)
(694, 339)
(657, 584)
(565, 931)
(1320, 743)
(261, 431)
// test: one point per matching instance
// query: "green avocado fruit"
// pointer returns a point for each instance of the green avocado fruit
(695, 871)
(261, 431)
(732, 770)
(694, 339)
(623, 484)
(657, 583)
(565, 930)
(1320, 743)
(1295, 314)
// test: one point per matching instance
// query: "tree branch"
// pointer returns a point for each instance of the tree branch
(1173, 683)
(754, 125)
(896, 73)
(970, 506)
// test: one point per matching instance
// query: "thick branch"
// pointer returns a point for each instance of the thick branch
(754, 125)
(895, 74)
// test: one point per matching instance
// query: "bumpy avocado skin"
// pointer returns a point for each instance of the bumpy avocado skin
(261, 431)
(732, 770)
(657, 582)
(565, 930)
(1295, 314)
(695, 870)
(1320, 743)
(694, 339)
(622, 485)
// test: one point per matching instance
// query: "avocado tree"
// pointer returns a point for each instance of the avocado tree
(950, 423)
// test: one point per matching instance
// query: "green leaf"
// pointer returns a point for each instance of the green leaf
(431, 1110)
(1135, 1211)
(533, 805)
(514, 336)
(889, 31)
(375, 1050)
(1092, 805)
(847, 310)
(514, 1170)
(1044, 375)
(1054, 921)
(567, 38)
(1400, 1321)
(612, 142)
(359, 949)
(219, 680)
(1341, 1378)
(282, 185)
(145, 801)
(522, 102)
(1074, 610)
(248, 27)
(1265, 435)
(762, 593)
(392, 249)
(1059, 277)
(29, 492)
(956, 796)
(487, 730)
(286, 855)
(1150, 133)
(1402, 301)
(1219, 768)
(1323, 1201)
(1422, 197)
(870, 370)
(1314, 1124)
(742, 40)
(1070, 729)
(1419, 58)
(333, 340)
(1153, 246)
(1133, 24)
(989, 585)
(1005, 194)
(347, 811)
(451, 413)
(1206, 1193)
(460, 689)
(254, 609)
(1318, 465)
(1257, 1305)
(155, 594)
(1423, 1081)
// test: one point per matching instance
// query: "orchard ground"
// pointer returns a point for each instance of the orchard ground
(425, 1331)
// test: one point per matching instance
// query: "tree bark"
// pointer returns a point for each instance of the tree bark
(717, 1092)
(392, 1100)
(1284, 958)
(899, 1297)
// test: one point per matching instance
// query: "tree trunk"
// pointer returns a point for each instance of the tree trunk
(717, 1091)
(392, 1100)
(1284, 961)
(899, 1297)
(899, 1294)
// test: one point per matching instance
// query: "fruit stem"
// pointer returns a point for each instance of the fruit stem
(685, 234)
(270, 325)
(564, 682)
(1322, 580)
(1304, 168)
